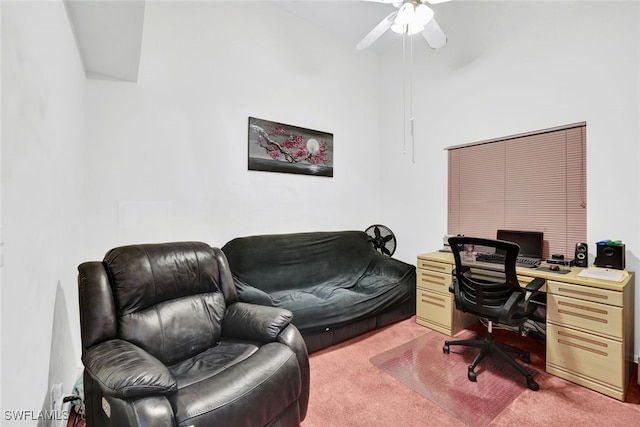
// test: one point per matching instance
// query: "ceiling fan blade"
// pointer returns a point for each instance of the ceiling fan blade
(434, 35)
(378, 30)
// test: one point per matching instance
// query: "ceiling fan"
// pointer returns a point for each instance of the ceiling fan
(411, 17)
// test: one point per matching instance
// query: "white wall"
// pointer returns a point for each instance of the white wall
(43, 90)
(513, 67)
(1, 239)
(165, 158)
(171, 150)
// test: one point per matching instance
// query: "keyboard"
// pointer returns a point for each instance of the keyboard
(521, 261)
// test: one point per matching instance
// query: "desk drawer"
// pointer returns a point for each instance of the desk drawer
(434, 307)
(433, 280)
(603, 296)
(441, 267)
(588, 356)
(586, 315)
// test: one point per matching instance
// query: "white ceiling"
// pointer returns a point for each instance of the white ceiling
(109, 32)
(349, 20)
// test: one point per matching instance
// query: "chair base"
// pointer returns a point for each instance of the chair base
(489, 347)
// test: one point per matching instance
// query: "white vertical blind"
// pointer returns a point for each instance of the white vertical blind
(531, 182)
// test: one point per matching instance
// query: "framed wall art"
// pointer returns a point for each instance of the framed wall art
(276, 147)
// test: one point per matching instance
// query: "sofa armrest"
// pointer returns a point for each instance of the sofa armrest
(383, 265)
(251, 294)
(255, 322)
(124, 370)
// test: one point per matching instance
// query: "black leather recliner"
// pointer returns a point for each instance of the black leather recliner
(165, 342)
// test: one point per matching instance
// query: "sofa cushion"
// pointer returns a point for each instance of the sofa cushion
(322, 306)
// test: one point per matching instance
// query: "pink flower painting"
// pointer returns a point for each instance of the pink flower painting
(276, 147)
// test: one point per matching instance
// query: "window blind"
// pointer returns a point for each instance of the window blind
(532, 182)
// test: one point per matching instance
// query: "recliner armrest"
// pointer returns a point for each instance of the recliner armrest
(255, 322)
(125, 370)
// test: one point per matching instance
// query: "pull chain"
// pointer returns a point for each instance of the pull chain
(404, 94)
(411, 118)
(407, 84)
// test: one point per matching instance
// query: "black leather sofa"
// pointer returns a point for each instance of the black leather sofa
(335, 283)
(165, 342)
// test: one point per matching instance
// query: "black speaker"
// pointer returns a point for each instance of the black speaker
(581, 258)
(610, 256)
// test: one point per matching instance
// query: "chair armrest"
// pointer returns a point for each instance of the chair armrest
(124, 370)
(535, 284)
(533, 288)
(255, 322)
(518, 303)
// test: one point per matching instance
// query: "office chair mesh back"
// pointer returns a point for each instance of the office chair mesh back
(482, 293)
(495, 295)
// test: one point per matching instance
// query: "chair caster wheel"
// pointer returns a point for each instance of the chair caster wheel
(445, 347)
(471, 375)
(532, 384)
(526, 357)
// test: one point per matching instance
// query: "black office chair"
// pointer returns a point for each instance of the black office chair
(492, 292)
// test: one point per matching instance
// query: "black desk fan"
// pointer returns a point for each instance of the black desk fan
(382, 238)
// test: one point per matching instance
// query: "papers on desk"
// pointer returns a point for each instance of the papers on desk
(604, 274)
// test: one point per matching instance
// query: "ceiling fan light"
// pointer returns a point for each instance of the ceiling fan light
(398, 28)
(414, 29)
(423, 14)
(406, 14)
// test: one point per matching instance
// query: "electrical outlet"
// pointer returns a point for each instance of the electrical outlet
(56, 398)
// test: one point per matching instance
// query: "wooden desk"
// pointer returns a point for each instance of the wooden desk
(589, 321)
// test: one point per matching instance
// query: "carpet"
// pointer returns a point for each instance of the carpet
(421, 365)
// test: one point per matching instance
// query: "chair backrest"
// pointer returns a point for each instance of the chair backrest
(486, 292)
(167, 298)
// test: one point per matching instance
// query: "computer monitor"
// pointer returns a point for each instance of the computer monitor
(530, 242)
